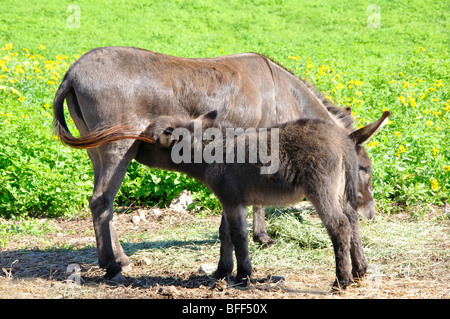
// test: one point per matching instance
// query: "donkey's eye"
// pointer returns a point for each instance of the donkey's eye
(365, 169)
(168, 131)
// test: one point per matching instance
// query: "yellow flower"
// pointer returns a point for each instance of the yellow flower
(431, 89)
(435, 151)
(21, 99)
(411, 101)
(9, 46)
(446, 168)
(24, 116)
(14, 91)
(51, 82)
(422, 96)
(47, 106)
(397, 133)
(401, 149)
(372, 144)
(429, 123)
(434, 185)
(438, 83)
(393, 81)
(42, 46)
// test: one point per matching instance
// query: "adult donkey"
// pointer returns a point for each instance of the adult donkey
(114, 86)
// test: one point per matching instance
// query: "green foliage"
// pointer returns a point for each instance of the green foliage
(402, 66)
(145, 187)
(291, 225)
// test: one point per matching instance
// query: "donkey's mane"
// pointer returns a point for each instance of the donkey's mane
(340, 114)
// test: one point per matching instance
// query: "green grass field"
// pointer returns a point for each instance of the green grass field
(402, 65)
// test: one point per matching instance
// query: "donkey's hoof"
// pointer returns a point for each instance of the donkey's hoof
(264, 240)
(242, 282)
(119, 278)
(340, 285)
(221, 274)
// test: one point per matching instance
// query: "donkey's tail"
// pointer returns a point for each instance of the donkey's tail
(95, 138)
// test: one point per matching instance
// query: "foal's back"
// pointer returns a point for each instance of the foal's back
(312, 154)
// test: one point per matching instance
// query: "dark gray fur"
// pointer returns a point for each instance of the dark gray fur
(317, 160)
(116, 86)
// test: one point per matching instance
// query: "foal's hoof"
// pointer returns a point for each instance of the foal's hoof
(341, 285)
(242, 282)
(221, 274)
(264, 240)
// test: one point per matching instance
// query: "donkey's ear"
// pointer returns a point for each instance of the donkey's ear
(211, 115)
(362, 135)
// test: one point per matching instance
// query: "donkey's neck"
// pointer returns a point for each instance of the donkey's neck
(308, 101)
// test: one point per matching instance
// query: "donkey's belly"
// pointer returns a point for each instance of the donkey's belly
(273, 197)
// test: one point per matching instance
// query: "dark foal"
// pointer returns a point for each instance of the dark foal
(315, 159)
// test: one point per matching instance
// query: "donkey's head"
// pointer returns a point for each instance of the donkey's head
(163, 129)
(365, 202)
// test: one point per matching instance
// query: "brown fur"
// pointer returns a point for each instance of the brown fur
(120, 86)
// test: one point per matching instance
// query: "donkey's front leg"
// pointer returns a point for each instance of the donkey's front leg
(225, 266)
(237, 223)
(359, 263)
(338, 227)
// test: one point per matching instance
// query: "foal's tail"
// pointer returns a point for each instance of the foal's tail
(95, 138)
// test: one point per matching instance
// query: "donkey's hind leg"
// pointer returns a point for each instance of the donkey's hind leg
(259, 228)
(110, 165)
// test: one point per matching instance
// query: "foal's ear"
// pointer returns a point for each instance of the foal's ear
(362, 135)
(211, 115)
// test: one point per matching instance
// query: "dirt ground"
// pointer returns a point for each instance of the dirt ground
(62, 263)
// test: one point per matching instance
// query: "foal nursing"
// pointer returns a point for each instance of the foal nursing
(316, 160)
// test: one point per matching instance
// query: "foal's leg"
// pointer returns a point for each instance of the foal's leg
(236, 223)
(339, 229)
(259, 228)
(359, 263)
(225, 266)
(110, 165)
